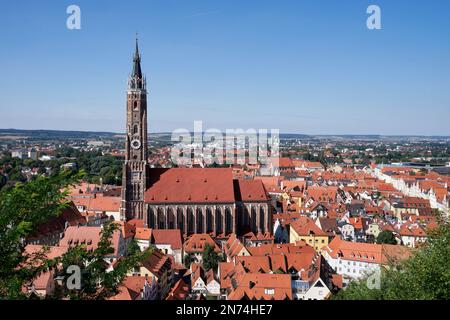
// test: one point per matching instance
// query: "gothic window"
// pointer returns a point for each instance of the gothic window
(209, 220)
(180, 219)
(190, 221)
(135, 129)
(170, 219)
(219, 220)
(246, 216)
(135, 105)
(253, 220)
(199, 217)
(228, 220)
(151, 218)
(161, 219)
(262, 219)
(238, 215)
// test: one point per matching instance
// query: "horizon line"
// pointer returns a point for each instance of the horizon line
(281, 133)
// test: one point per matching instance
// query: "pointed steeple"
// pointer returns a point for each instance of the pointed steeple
(137, 62)
(136, 80)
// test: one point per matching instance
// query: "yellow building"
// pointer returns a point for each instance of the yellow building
(305, 229)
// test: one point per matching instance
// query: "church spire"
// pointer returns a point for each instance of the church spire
(137, 62)
(136, 80)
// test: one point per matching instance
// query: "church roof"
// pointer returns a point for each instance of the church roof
(190, 185)
(250, 190)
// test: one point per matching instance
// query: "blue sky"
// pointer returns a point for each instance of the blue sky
(306, 66)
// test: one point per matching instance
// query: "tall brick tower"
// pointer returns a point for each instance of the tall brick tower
(135, 166)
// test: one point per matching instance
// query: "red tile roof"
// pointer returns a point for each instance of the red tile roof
(250, 190)
(143, 234)
(305, 226)
(262, 286)
(186, 185)
(157, 263)
(89, 237)
(99, 202)
(366, 252)
(197, 243)
(167, 236)
(179, 291)
(70, 216)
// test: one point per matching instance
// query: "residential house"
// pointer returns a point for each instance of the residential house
(198, 283)
(212, 283)
(51, 231)
(305, 229)
(355, 260)
(168, 241)
(136, 288)
(158, 266)
(89, 237)
(196, 243)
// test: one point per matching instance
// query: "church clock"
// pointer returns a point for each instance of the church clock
(135, 144)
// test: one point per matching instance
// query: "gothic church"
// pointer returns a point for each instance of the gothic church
(194, 200)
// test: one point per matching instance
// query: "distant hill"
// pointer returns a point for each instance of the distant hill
(55, 134)
(15, 134)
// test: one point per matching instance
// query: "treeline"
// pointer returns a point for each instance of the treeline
(96, 167)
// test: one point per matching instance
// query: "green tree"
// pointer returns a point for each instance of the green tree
(188, 260)
(22, 209)
(26, 206)
(96, 282)
(386, 237)
(133, 248)
(210, 258)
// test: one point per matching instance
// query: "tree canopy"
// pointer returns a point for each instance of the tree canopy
(210, 258)
(386, 237)
(22, 209)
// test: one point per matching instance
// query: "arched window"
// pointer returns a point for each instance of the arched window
(151, 218)
(135, 129)
(180, 219)
(209, 220)
(262, 220)
(135, 105)
(199, 217)
(253, 220)
(246, 216)
(161, 219)
(219, 221)
(228, 220)
(190, 220)
(170, 219)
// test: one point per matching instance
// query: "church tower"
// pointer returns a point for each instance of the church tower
(135, 166)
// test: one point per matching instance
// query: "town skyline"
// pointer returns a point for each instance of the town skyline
(220, 185)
